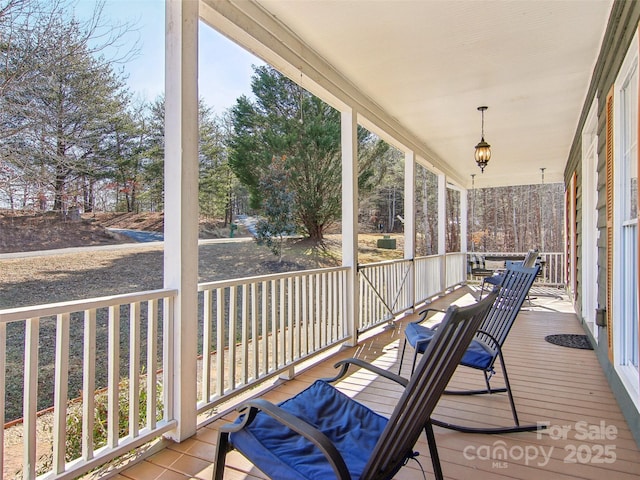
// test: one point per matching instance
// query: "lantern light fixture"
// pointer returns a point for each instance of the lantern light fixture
(483, 149)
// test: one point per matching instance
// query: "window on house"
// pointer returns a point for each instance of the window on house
(626, 221)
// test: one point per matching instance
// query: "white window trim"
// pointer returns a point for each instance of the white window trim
(628, 374)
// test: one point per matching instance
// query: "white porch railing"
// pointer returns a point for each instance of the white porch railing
(456, 267)
(385, 290)
(143, 318)
(428, 277)
(250, 329)
(553, 267)
(390, 288)
(255, 328)
(553, 270)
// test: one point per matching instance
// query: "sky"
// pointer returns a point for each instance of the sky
(224, 67)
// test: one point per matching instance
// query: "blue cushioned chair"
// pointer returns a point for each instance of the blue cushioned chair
(486, 346)
(321, 433)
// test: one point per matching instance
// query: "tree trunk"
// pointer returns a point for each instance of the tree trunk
(88, 196)
(134, 201)
(58, 199)
(315, 233)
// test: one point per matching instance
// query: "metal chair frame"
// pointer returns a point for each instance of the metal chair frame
(411, 415)
(492, 334)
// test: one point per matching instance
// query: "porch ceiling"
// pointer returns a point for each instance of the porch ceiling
(430, 64)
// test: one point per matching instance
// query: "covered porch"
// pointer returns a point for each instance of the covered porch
(586, 437)
(273, 328)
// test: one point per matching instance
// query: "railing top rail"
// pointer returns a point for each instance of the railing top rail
(265, 278)
(427, 257)
(511, 253)
(50, 309)
(384, 262)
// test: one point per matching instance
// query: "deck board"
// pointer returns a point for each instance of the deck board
(558, 385)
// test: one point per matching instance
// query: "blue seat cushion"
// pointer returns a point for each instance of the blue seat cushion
(477, 354)
(494, 279)
(283, 454)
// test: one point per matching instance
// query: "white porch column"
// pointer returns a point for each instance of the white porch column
(410, 217)
(181, 204)
(409, 205)
(464, 216)
(442, 226)
(349, 141)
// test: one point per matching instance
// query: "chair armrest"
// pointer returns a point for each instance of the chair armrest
(490, 337)
(344, 365)
(423, 314)
(296, 424)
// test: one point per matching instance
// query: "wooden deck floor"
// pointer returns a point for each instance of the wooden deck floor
(587, 437)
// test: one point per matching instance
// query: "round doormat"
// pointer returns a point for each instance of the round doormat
(570, 340)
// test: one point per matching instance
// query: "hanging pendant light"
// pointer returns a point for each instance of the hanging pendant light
(483, 149)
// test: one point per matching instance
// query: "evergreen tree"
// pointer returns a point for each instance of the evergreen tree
(285, 121)
(216, 180)
(278, 216)
(59, 95)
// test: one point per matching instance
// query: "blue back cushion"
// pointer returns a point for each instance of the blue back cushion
(477, 354)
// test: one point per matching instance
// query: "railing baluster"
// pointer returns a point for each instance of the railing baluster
(306, 321)
(30, 400)
(306, 315)
(134, 368)
(321, 308)
(245, 334)
(220, 350)
(363, 300)
(113, 377)
(293, 308)
(339, 304)
(297, 317)
(152, 363)
(319, 299)
(307, 302)
(265, 327)
(313, 309)
(206, 345)
(332, 306)
(341, 292)
(167, 354)
(274, 325)
(88, 383)
(255, 334)
(379, 312)
(60, 392)
(283, 326)
(232, 337)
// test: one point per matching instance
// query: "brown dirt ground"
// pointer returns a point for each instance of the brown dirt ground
(84, 274)
(49, 231)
